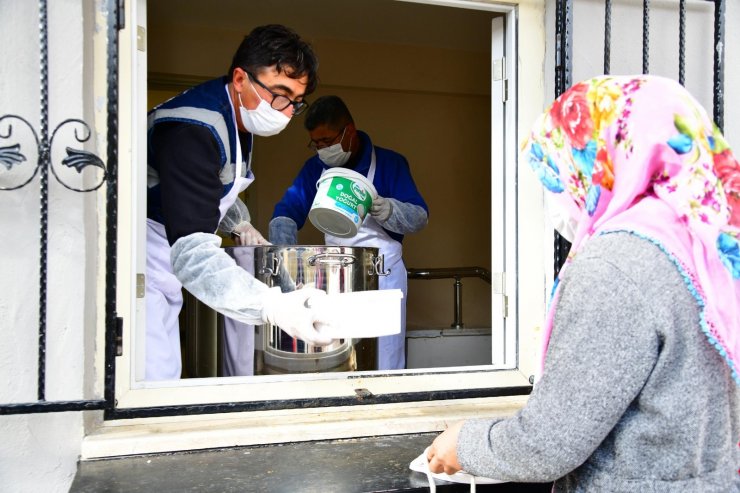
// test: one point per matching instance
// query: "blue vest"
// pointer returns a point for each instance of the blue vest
(207, 105)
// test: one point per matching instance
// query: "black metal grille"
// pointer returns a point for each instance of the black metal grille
(14, 156)
(563, 80)
(564, 67)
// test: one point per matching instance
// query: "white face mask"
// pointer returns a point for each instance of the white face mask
(562, 222)
(334, 156)
(264, 120)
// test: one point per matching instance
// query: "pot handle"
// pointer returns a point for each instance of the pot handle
(332, 258)
(274, 268)
(378, 267)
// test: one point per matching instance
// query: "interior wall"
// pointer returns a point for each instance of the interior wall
(430, 104)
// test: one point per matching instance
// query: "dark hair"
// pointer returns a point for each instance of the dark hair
(327, 110)
(277, 45)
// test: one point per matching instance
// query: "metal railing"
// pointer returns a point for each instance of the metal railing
(564, 64)
(13, 155)
(456, 273)
(16, 157)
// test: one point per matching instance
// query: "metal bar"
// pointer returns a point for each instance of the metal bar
(568, 45)
(115, 22)
(458, 321)
(719, 63)
(682, 42)
(455, 273)
(449, 273)
(232, 407)
(646, 36)
(563, 50)
(51, 407)
(43, 194)
(563, 76)
(607, 35)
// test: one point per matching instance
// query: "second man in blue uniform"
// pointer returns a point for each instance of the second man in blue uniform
(398, 210)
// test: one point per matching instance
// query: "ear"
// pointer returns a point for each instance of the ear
(238, 78)
(353, 130)
(354, 142)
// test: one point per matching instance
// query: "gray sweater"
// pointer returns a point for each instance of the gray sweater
(633, 397)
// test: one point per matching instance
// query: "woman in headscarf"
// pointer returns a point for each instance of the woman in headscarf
(639, 380)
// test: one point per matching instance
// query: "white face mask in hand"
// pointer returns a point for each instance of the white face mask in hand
(421, 464)
(264, 120)
(561, 220)
(334, 155)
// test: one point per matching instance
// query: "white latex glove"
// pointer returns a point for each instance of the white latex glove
(246, 234)
(381, 209)
(292, 312)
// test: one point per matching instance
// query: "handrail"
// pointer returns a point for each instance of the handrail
(455, 273)
(450, 273)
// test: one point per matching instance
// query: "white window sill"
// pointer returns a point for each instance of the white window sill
(171, 434)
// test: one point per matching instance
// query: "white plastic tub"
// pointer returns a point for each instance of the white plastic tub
(343, 199)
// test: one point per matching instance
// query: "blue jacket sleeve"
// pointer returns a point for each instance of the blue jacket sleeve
(297, 199)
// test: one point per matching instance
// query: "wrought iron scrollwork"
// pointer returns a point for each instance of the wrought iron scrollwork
(79, 159)
(13, 156)
(9, 156)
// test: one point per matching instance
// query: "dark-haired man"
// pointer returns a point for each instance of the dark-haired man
(199, 159)
(399, 208)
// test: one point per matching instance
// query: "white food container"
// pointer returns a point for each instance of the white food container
(359, 314)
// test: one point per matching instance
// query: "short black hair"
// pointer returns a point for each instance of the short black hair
(327, 110)
(277, 45)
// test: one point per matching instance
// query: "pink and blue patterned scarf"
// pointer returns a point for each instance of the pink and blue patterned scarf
(639, 154)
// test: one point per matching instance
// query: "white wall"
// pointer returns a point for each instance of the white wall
(626, 47)
(40, 452)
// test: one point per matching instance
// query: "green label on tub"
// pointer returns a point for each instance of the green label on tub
(349, 192)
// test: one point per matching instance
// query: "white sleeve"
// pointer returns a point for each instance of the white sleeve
(237, 213)
(209, 274)
(405, 217)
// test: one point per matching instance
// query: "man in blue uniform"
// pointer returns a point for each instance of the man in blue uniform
(399, 208)
(199, 159)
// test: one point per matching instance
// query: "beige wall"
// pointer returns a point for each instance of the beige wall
(432, 105)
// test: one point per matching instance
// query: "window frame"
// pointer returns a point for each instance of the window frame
(135, 398)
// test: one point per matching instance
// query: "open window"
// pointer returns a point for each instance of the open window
(432, 80)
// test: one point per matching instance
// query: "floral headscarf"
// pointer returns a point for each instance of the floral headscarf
(639, 154)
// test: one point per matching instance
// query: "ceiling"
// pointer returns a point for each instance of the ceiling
(387, 21)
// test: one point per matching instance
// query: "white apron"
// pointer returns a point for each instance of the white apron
(239, 343)
(391, 349)
(164, 291)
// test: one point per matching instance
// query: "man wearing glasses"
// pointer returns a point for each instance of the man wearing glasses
(398, 210)
(199, 160)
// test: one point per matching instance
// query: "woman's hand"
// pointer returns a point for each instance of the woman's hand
(442, 454)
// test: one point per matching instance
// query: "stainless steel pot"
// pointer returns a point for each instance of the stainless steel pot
(334, 269)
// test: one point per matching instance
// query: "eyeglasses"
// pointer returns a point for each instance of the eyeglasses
(327, 141)
(280, 102)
